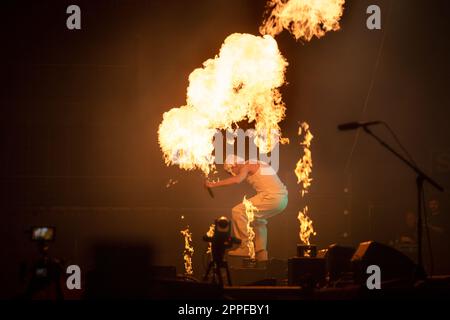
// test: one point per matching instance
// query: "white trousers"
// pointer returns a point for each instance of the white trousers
(268, 206)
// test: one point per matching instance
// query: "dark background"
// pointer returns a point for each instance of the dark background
(80, 111)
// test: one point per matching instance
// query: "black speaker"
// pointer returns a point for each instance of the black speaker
(339, 261)
(393, 264)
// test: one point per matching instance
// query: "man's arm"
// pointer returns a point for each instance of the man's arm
(229, 181)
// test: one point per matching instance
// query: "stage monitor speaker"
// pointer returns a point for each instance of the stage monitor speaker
(393, 264)
(339, 261)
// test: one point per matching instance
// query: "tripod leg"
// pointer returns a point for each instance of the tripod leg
(228, 274)
(219, 274)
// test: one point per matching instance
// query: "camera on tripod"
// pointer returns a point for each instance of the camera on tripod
(44, 276)
(220, 241)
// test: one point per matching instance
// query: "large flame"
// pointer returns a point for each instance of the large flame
(188, 251)
(240, 83)
(303, 18)
(250, 210)
(303, 172)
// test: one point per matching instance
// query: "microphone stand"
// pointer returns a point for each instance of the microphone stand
(420, 179)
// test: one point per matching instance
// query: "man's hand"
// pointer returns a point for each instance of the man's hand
(209, 184)
(229, 181)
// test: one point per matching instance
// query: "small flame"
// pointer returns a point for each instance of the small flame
(188, 251)
(302, 18)
(210, 234)
(240, 83)
(303, 172)
(250, 210)
(304, 166)
(306, 226)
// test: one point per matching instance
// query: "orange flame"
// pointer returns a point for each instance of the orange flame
(306, 226)
(304, 166)
(210, 234)
(303, 172)
(250, 210)
(240, 83)
(188, 251)
(302, 18)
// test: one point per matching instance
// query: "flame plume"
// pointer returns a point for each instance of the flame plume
(304, 166)
(240, 83)
(188, 251)
(304, 19)
(303, 171)
(210, 234)
(250, 210)
(306, 226)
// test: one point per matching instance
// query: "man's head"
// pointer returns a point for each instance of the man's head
(232, 164)
(433, 204)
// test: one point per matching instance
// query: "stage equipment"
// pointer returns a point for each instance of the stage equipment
(46, 274)
(393, 264)
(338, 262)
(305, 250)
(356, 125)
(306, 270)
(43, 233)
(220, 241)
(421, 177)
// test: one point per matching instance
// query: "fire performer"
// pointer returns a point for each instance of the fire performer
(271, 199)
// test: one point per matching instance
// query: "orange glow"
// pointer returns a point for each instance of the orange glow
(306, 226)
(240, 83)
(188, 251)
(304, 166)
(250, 210)
(303, 171)
(304, 19)
(210, 234)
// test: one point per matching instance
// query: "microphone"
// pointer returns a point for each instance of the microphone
(356, 125)
(211, 194)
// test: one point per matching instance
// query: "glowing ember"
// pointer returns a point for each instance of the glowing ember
(188, 251)
(303, 171)
(303, 168)
(302, 18)
(250, 210)
(171, 182)
(306, 226)
(210, 234)
(240, 83)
